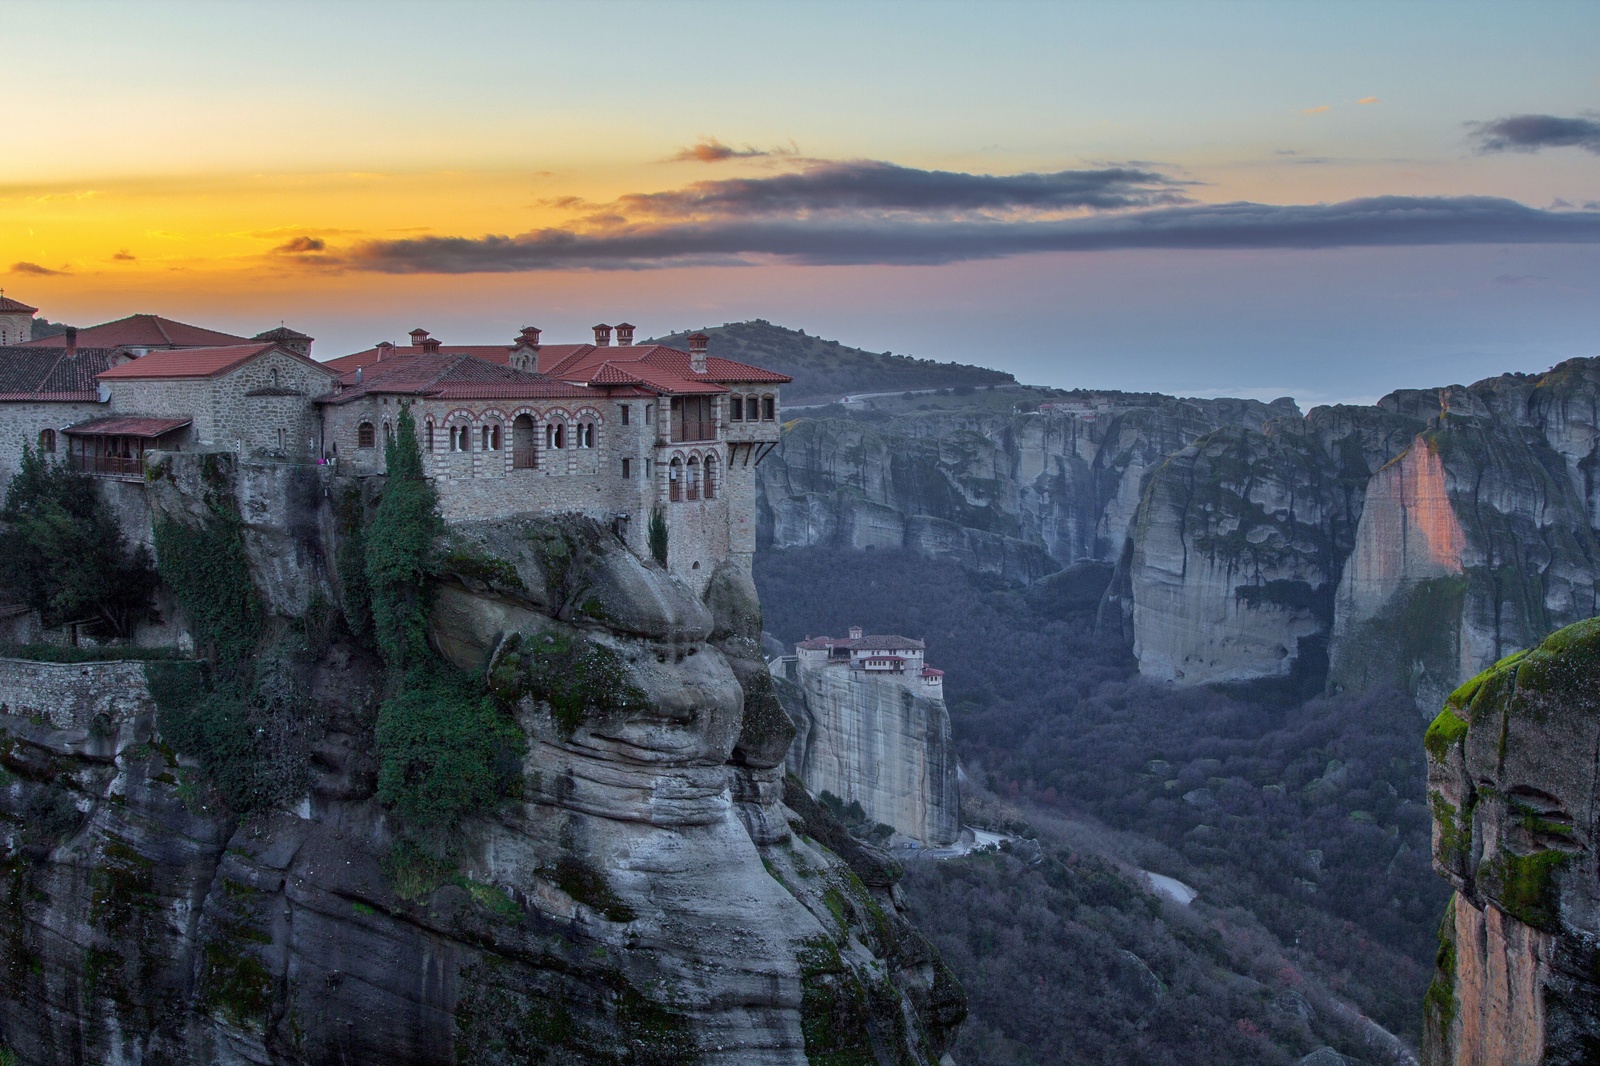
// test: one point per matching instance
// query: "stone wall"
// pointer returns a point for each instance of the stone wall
(69, 696)
(226, 414)
(21, 423)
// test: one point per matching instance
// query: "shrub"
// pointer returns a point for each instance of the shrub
(205, 567)
(445, 749)
(62, 550)
(658, 536)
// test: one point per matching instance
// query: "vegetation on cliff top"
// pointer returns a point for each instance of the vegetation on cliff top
(63, 552)
(825, 369)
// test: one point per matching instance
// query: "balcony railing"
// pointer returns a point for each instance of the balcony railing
(524, 459)
(691, 431)
(109, 465)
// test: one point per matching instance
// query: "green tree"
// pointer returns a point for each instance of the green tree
(399, 545)
(63, 551)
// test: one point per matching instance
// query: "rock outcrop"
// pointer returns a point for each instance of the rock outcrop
(1513, 776)
(657, 894)
(1411, 543)
(1017, 495)
(878, 742)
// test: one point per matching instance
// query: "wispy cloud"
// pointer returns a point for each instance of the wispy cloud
(711, 150)
(1531, 133)
(1369, 100)
(866, 185)
(1373, 222)
(124, 256)
(1319, 109)
(35, 269)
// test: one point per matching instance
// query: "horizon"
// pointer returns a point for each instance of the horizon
(1211, 199)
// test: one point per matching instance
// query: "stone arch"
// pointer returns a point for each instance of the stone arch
(492, 422)
(691, 473)
(366, 435)
(524, 440)
(711, 471)
(675, 476)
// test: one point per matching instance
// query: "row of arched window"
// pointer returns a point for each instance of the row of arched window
(752, 408)
(692, 480)
(463, 438)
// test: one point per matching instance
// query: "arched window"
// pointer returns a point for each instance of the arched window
(675, 480)
(428, 434)
(524, 449)
(365, 436)
(585, 434)
(555, 435)
(735, 409)
(711, 477)
(388, 432)
(769, 408)
(491, 437)
(274, 377)
(461, 438)
(692, 489)
(280, 438)
(47, 441)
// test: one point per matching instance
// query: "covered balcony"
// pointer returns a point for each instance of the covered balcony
(115, 447)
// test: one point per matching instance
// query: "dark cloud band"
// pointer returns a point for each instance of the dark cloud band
(865, 185)
(1374, 222)
(1530, 133)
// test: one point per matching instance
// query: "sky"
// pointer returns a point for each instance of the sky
(1323, 200)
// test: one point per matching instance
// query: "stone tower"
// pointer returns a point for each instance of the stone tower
(16, 321)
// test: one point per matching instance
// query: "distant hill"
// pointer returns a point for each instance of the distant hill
(43, 327)
(827, 370)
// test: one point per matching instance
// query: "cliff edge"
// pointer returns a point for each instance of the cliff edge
(1513, 780)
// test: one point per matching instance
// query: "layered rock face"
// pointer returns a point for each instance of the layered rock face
(654, 896)
(1513, 780)
(1480, 538)
(1018, 495)
(876, 741)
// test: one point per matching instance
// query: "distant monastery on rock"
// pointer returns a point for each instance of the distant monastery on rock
(622, 432)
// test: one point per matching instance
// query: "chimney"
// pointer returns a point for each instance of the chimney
(697, 352)
(72, 340)
(430, 344)
(385, 348)
(418, 337)
(528, 338)
(624, 334)
(855, 632)
(602, 336)
(360, 374)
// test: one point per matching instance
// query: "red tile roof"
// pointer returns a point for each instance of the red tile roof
(654, 363)
(652, 366)
(142, 331)
(489, 353)
(445, 376)
(50, 374)
(871, 642)
(8, 306)
(197, 362)
(127, 427)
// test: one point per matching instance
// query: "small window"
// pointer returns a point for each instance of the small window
(769, 408)
(624, 414)
(280, 440)
(274, 378)
(648, 408)
(735, 409)
(47, 441)
(627, 469)
(428, 433)
(365, 437)
(554, 436)
(388, 433)
(491, 438)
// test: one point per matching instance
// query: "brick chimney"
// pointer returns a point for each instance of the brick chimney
(72, 339)
(529, 337)
(624, 334)
(697, 352)
(602, 336)
(419, 337)
(855, 632)
(385, 349)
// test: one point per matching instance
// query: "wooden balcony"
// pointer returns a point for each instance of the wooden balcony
(685, 432)
(108, 465)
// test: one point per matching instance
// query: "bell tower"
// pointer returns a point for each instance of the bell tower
(16, 320)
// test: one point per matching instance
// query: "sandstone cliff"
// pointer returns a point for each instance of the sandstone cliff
(1512, 778)
(875, 741)
(655, 895)
(1018, 495)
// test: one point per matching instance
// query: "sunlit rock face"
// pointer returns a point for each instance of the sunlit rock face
(1479, 538)
(1238, 544)
(652, 897)
(1512, 780)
